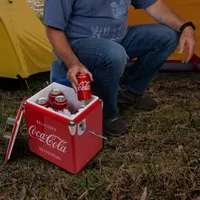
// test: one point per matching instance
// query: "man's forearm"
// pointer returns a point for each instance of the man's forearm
(59, 42)
(162, 13)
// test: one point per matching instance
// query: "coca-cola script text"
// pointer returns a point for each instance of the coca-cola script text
(84, 85)
(50, 140)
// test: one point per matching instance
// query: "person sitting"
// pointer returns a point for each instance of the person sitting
(92, 36)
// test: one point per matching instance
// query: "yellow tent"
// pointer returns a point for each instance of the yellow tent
(188, 9)
(24, 47)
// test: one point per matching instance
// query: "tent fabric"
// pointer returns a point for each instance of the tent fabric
(188, 9)
(25, 49)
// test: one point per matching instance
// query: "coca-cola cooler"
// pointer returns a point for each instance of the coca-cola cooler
(69, 142)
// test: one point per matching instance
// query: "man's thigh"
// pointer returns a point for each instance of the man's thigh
(142, 38)
(95, 53)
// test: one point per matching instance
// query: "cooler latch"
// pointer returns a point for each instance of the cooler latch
(81, 128)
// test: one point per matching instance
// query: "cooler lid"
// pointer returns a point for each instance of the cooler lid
(14, 131)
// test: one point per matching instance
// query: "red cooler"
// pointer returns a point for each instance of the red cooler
(69, 142)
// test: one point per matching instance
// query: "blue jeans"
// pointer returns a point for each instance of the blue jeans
(151, 44)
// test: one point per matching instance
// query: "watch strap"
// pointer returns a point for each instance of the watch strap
(186, 25)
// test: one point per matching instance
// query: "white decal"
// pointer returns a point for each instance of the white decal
(114, 33)
(51, 140)
(98, 31)
(84, 85)
(119, 10)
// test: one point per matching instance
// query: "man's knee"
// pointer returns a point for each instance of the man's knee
(101, 53)
(173, 37)
(118, 58)
(170, 36)
(115, 57)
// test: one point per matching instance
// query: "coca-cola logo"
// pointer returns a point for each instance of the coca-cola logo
(84, 85)
(52, 141)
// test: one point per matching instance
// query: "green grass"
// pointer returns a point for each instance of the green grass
(161, 151)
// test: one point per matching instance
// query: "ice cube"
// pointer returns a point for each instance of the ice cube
(67, 112)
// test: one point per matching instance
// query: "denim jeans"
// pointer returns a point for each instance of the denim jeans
(151, 44)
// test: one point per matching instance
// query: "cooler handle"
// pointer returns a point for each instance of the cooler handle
(96, 134)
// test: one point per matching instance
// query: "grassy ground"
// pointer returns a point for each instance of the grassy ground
(159, 159)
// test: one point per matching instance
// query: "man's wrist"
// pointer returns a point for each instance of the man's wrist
(185, 25)
(72, 63)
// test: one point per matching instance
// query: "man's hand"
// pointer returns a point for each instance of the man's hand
(73, 71)
(162, 13)
(187, 39)
(65, 52)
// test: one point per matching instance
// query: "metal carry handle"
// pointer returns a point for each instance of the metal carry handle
(92, 132)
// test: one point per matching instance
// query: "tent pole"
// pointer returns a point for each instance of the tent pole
(27, 85)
